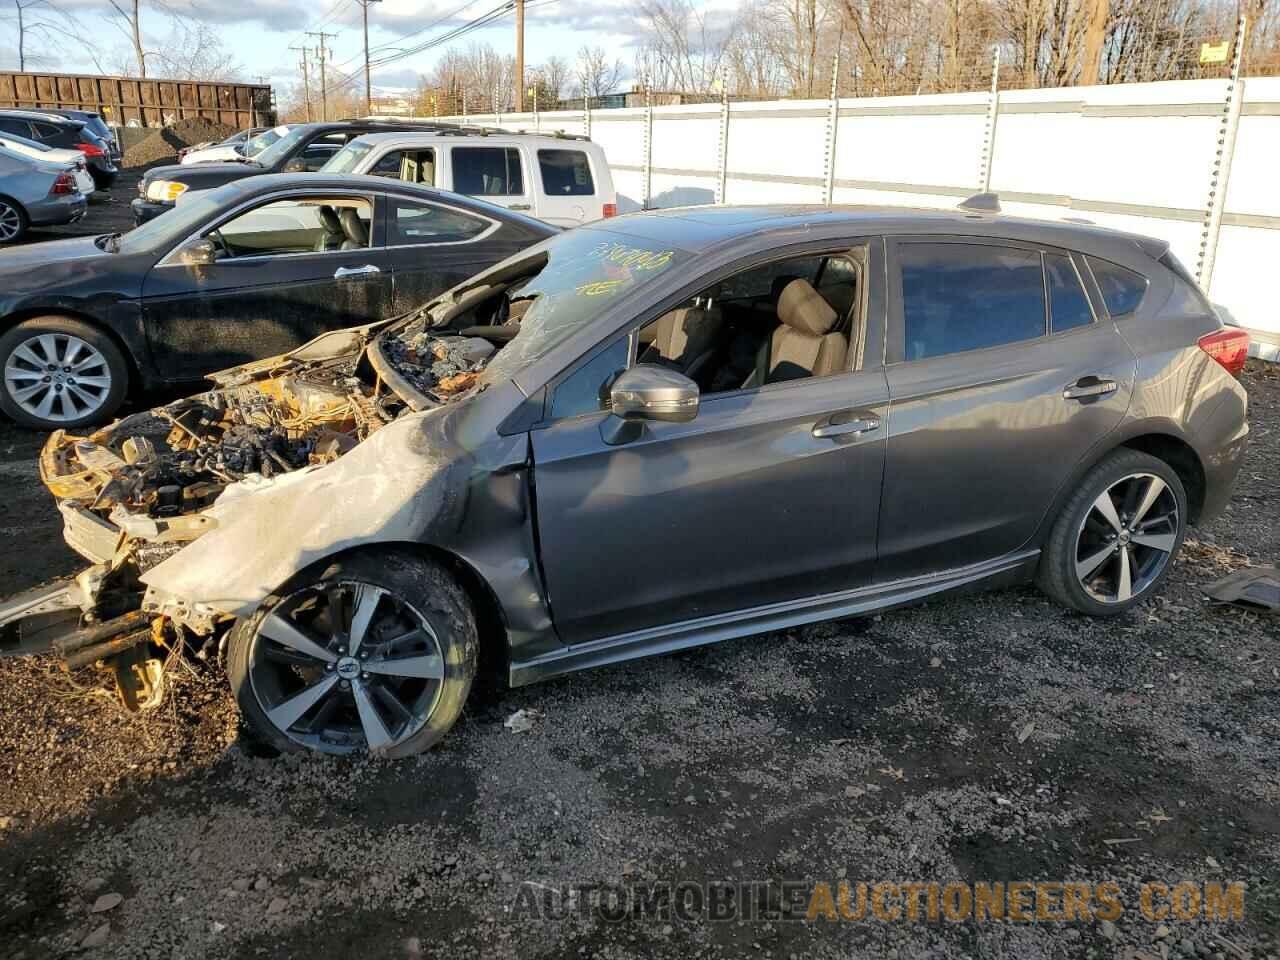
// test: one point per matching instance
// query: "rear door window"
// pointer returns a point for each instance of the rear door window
(565, 173)
(958, 297)
(1122, 289)
(487, 171)
(1068, 306)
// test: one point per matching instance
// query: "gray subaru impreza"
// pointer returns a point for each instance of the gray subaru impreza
(653, 432)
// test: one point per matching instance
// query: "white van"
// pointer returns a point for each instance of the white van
(559, 178)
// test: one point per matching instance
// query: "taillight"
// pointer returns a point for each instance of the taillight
(91, 150)
(63, 183)
(1229, 346)
(610, 210)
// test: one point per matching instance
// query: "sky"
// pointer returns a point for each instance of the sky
(259, 33)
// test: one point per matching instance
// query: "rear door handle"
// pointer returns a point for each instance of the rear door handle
(347, 273)
(1088, 387)
(846, 423)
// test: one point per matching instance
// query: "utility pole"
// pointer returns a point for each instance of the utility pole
(368, 89)
(306, 81)
(323, 54)
(519, 56)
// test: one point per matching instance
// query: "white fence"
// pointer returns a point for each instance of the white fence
(1151, 158)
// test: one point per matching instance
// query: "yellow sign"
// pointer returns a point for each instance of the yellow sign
(1215, 52)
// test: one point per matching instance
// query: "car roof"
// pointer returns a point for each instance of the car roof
(40, 115)
(249, 187)
(463, 133)
(701, 228)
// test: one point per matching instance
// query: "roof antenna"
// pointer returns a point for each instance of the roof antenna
(982, 203)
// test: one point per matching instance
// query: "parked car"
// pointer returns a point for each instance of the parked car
(649, 433)
(35, 192)
(96, 123)
(305, 148)
(246, 143)
(59, 131)
(559, 178)
(41, 151)
(248, 270)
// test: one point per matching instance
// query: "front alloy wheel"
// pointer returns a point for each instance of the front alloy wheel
(362, 659)
(57, 377)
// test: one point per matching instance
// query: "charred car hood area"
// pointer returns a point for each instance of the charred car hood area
(140, 491)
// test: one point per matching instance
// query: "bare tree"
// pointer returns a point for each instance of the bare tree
(595, 74)
(128, 20)
(40, 20)
(552, 79)
(193, 51)
(683, 51)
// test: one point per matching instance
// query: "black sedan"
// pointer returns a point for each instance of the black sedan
(249, 270)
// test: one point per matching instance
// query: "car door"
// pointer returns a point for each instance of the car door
(285, 272)
(769, 496)
(431, 247)
(567, 187)
(494, 173)
(1002, 376)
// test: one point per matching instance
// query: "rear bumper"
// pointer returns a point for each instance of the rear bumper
(144, 210)
(53, 211)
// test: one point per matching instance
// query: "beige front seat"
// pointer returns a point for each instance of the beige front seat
(685, 339)
(804, 344)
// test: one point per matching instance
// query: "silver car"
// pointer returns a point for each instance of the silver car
(36, 193)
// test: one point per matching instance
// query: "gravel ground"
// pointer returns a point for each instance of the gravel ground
(993, 737)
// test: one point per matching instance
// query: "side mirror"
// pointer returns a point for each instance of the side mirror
(648, 392)
(198, 253)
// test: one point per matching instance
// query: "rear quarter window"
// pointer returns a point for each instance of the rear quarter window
(1122, 289)
(565, 173)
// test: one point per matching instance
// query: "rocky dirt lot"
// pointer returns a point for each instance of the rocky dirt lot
(994, 737)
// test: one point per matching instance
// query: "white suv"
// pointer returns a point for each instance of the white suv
(562, 179)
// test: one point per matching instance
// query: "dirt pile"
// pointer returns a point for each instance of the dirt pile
(165, 143)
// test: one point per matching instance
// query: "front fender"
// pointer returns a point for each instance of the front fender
(408, 482)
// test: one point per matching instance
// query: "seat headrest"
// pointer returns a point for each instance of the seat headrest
(353, 226)
(329, 219)
(802, 308)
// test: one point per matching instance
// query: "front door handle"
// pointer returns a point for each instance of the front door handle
(349, 273)
(1087, 388)
(520, 206)
(847, 423)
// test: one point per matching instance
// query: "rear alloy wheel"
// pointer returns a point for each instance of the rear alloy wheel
(60, 373)
(13, 221)
(374, 654)
(1117, 536)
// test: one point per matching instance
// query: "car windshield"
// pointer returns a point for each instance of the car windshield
(174, 225)
(586, 272)
(256, 144)
(281, 148)
(348, 158)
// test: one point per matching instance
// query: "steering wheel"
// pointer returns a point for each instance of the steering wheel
(220, 245)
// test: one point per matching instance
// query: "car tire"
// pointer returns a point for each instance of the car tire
(410, 586)
(1094, 551)
(13, 220)
(51, 338)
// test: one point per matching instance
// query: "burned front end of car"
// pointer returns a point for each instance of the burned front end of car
(139, 491)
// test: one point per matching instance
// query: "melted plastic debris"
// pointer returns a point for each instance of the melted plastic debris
(442, 367)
